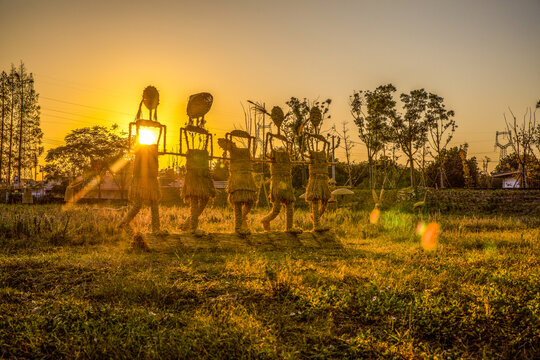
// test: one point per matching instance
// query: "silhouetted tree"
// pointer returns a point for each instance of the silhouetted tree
(347, 146)
(523, 137)
(85, 148)
(20, 135)
(372, 112)
(511, 162)
(296, 120)
(453, 168)
(4, 111)
(410, 128)
(441, 127)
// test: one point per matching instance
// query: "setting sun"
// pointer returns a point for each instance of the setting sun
(148, 136)
(269, 179)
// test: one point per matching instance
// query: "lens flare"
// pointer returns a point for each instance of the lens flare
(420, 228)
(94, 182)
(147, 136)
(374, 216)
(430, 235)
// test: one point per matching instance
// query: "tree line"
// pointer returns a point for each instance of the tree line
(20, 132)
(416, 126)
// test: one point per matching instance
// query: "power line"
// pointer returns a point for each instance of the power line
(86, 106)
(70, 119)
(75, 114)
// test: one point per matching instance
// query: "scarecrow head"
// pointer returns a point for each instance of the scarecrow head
(194, 135)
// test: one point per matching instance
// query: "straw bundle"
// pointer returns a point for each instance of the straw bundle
(317, 188)
(281, 188)
(145, 184)
(241, 186)
(198, 181)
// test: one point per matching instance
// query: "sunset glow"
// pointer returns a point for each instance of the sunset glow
(91, 71)
(148, 136)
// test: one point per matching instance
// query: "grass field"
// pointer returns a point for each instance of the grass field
(72, 287)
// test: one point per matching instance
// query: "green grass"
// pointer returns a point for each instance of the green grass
(72, 287)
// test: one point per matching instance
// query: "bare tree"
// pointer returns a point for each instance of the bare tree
(523, 137)
(347, 146)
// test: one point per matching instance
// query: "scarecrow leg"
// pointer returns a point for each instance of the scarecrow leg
(276, 208)
(154, 208)
(246, 209)
(290, 215)
(315, 214)
(200, 204)
(137, 204)
(203, 201)
(237, 216)
(193, 213)
(322, 208)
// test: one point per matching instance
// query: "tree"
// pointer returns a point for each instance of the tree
(523, 137)
(20, 132)
(460, 171)
(29, 133)
(347, 146)
(410, 129)
(537, 130)
(13, 102)
(90, 149)
(441, 127)
(296, 120)
(372, 112)
(511, 162)
(4, 110)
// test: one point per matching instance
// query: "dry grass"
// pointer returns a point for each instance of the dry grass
(72, 287)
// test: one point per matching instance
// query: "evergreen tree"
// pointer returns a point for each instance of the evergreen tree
(4, 111)
(20, 132)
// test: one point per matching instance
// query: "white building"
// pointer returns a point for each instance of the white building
(510, 179)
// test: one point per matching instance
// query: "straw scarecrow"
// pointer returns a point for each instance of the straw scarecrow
(317, 192)
(241, 186)
(144, 183)
(281, 189)
(198, 183)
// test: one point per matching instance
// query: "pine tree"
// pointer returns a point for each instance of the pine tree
(4, 111)
(29, 132)
(20, 133)
(13, 102)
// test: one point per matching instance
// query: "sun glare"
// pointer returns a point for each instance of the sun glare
(430, 235)
(147, 136)
(374, 216)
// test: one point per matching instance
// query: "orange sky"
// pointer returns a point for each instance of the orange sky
(92, 59)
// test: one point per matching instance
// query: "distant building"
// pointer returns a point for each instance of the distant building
(510, 179)
(110, 190)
